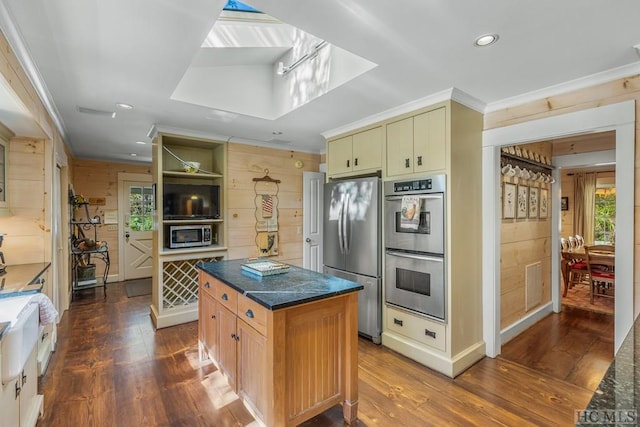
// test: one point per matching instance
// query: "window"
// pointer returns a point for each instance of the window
(605, 214)
(141, 205)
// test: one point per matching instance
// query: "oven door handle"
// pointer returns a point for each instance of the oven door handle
(414, 256)
(422, 196)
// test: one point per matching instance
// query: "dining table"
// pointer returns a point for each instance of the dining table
(570, 256)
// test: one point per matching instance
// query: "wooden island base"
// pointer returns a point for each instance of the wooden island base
(287, 365)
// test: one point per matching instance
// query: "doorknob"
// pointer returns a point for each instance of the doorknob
(126, 236)
(308, 240)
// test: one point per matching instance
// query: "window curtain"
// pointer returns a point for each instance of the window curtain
(584, 212)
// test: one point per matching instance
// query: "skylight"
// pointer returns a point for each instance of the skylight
(253, 64)
(236, 6)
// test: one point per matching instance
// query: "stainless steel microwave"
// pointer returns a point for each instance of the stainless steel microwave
(187, 236)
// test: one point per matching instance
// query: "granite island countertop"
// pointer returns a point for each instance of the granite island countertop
(297, 286)
(618, 389)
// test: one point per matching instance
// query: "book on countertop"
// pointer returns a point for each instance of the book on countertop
(265, 268)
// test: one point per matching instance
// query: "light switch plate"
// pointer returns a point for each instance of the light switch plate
(112, 227)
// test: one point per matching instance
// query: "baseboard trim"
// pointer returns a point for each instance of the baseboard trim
(515, 329)
(173, 317)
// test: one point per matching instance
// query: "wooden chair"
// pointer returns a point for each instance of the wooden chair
(574, 269)
(579, 240)
(601, 268)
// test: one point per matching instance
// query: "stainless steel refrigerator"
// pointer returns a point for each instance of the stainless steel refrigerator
(351, 245)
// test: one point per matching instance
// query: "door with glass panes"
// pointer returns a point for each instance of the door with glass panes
(138, 224)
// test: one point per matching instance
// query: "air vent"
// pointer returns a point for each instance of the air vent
(278, 141)
(93, 112)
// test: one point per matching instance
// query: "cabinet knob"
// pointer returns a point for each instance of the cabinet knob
(24, 378)
(419, 160)
(233, 336)
(308, 240)
(429, 333)
(249, 314)
(207, 285)
(406, 163)
(213, 316)
(355, 161)
(397, 321)
(225, 297)
(348, 162)
(18, 389)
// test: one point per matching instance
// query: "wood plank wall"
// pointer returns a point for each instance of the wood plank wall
(246, 162)
(96, 179)
(616, 91)
(28, 235)
(524, 242)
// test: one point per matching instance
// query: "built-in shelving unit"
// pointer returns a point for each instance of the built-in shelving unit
(175, 278)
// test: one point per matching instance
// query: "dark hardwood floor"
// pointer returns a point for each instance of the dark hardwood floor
(112, 369)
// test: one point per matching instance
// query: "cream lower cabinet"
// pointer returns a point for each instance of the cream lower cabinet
(359, 153)
(20, 403)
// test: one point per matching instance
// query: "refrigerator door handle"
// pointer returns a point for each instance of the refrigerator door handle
(340, 221)
(346, 222)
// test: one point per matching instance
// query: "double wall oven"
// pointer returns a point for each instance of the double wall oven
(415, 253)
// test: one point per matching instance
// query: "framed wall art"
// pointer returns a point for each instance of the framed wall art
(534, 201)
(508, 200)
(564, 204)
(544, 203)
(523, 196)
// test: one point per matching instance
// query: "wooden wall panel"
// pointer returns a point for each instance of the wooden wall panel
(524, 242)
(246, 162)
(94, 179)
(28, 236)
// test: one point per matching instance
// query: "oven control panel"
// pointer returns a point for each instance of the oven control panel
(423, 184)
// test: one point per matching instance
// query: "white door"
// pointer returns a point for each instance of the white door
(312, 188)
(137, 228)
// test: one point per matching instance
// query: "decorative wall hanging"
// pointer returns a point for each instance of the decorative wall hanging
(266, 213)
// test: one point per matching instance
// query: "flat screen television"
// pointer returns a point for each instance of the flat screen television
(191, 201)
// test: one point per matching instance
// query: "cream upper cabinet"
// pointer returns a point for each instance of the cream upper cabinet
(355, 153)
(400, 147)
(339, 155)
(430, 141)
(417, 144)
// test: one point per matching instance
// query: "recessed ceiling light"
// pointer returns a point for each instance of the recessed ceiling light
(140, 142)
(124, 106)
(486, 40)
(276, 132)
(133, 154)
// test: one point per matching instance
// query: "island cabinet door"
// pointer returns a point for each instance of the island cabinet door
(208, 325)
(252, 369)
(228, 340)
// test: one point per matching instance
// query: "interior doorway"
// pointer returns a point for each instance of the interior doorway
(619, 118)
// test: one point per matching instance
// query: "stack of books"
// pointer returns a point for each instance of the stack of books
(265, 268)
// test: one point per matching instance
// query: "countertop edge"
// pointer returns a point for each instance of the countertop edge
(253, 295)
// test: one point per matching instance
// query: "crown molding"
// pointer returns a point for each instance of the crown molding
(14, 38)
(445, 95)
(568, 86)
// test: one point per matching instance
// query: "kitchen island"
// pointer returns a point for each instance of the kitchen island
(287, 343)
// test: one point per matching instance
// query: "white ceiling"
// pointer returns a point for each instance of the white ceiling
(94, 54)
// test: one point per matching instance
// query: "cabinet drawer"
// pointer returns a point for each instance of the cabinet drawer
(417, 328)
(207, 284)
(253, 314)
(227, 296)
